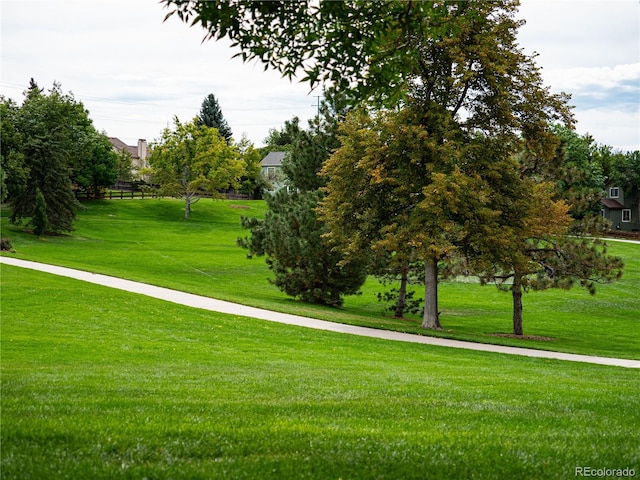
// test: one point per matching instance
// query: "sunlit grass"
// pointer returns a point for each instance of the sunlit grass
(150, 241)
(102, 384)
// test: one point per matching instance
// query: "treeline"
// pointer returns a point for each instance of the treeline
(451, 158)
(49, 149)
(51, 154)
(360, 203)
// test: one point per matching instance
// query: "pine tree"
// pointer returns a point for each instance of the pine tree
(49, 125)
(304, 261)
(211, 116)
(39, 219)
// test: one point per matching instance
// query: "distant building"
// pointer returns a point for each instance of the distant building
(620, 209)
(139, 153)
(272, 171)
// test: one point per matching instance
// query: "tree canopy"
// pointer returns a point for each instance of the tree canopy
(453, 150)
(304, 261)
(192, 160)
(50, 146)
(211, 116)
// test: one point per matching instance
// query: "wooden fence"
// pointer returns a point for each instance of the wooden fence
(141, 194)
(117, 195)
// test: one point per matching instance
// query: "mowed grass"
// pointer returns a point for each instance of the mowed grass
(103, 384)
(150, 241)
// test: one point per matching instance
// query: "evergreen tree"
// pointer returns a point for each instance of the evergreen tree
(49, 125)
(13, 170)
(39, 220)
(50, 144)
(304, 261)
(211, 116)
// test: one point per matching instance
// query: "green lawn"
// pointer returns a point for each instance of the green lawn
(150, 241)
(103, 384)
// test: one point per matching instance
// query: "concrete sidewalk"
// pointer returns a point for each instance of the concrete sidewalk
(197, 301)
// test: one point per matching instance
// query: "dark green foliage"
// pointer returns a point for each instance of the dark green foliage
(305, 263)
(97, 167)
(625, 171)
(13, 171)
(211, 116)
(39, 219)
(52, 146)
(49, 125)
(578, 174)
(281, 140)
(312, 147)
(360, 47)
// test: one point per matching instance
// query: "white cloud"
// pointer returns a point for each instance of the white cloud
(619, 76)
(134, 72)
(618, 127)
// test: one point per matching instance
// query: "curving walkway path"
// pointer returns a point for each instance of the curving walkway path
(206, 303)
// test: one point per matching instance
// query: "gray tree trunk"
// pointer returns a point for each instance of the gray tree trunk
(430, 318)
(187, 207)
(516, 291)
(402, 293)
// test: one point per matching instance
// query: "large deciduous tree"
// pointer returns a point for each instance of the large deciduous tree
(471, 101)
(211, 116)
(97, 166)
(360, 47)
(474, 98)
(191, 161)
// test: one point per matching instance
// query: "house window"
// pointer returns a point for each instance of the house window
(626, 215)
(271, 171)
(614, 192)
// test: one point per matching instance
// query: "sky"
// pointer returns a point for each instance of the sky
(134, 72)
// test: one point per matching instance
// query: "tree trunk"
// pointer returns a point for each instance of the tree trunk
(187, 207)
(430, 319)
(402, 293)
(516, 291)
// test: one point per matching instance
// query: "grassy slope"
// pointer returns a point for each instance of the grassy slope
(98, 383)
(150, 241)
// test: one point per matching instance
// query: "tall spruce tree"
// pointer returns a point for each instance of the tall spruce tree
(211, 116)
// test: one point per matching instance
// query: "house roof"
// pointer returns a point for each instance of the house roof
(612, 204)
(273, 159)
(120, 145)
